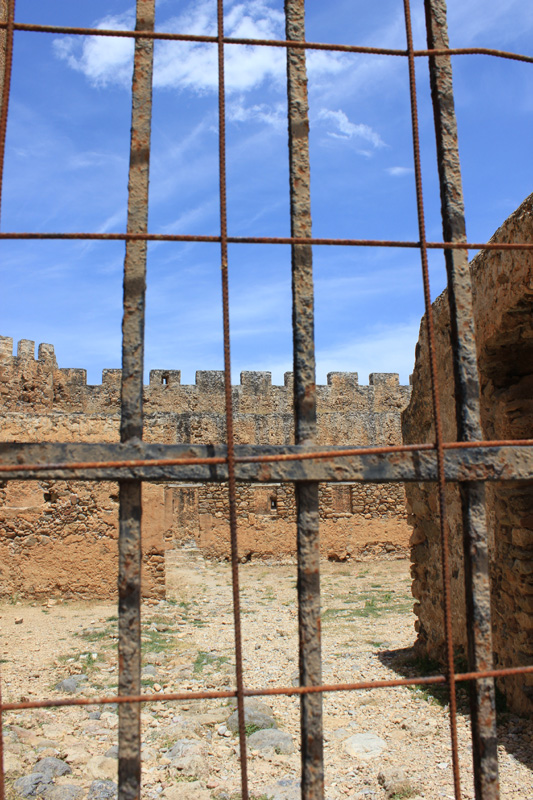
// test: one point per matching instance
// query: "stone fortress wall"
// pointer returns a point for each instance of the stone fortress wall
(62, 537)
(503, 311)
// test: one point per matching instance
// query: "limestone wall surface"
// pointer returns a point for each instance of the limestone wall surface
(503, 310)
(41, 402)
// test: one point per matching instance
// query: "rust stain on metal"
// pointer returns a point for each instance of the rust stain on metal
(163, 697)
(468, 417)
(446, 571)
(281, 240)
(189, 37)
(232, 501)
(305, 426)
(131, 424)
(7, 16)
(492, 460)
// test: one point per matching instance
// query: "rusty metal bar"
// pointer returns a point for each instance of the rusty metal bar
(286, 691)
(441, 481)
(232, 496)
(468, 415)
(305, 425)
(232, 40)
(131, 425)
(184, 237)
(463, 461)
(7, 14)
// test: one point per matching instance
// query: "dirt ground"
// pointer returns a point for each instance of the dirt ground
(187, 640)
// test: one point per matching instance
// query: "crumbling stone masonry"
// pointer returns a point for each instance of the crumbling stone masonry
(503, 306)
(62, 537)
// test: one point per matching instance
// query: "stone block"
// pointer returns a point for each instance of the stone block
(6, 348)
(210, 380)
(522, 537)
(26, 349)
(74, 377)
(384, 379)
(165, 377)
(343, 381)
(47, 354)
(256, 382)
(112, 378)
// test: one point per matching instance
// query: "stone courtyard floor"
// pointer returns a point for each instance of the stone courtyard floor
(381, 743)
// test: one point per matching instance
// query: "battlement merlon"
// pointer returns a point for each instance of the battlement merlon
(165, 377)
(384, 379)
(6, 349)
(208, 382)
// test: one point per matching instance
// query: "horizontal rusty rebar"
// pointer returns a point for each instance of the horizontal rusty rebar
(287, 691)
(287, 240)
(233, 40)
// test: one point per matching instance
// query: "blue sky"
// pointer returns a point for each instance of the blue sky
(67, 164)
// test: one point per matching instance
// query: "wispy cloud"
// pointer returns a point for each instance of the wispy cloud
(101, 59)
(399, 172)
(351, 131)
(273, 115)
(191, 65)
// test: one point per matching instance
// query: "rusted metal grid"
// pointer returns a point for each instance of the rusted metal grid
(470, 461)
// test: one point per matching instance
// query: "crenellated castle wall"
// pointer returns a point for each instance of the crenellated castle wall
(41, 402)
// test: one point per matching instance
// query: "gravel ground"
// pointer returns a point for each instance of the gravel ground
(189, 749)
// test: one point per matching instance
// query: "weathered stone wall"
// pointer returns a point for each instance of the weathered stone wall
(40, 402)
(503, 306)
(62, 539)
(353, 519)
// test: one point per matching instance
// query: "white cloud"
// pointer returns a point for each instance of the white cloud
(350, 131)
(274, 115)
(101, 59)
(193, 66)
(399, 172)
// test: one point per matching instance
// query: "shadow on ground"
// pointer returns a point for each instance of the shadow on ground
(515, 732)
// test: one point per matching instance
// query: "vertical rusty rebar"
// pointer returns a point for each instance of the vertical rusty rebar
(232, 497)
(468, 415)
(7, 14)
(308, 544)
(131, 424)
(435, 397)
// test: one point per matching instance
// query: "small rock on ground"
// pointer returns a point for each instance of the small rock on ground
(66, 792)
(272, 739)
(251, 717)
(395, 782)
(365, 745)
(284, 789)
(51, 766)
(102, 790)
(32, 785)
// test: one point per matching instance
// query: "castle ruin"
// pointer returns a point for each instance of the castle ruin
(503, 304)
(61, 537)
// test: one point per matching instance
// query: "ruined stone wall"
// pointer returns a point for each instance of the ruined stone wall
(503, 306)
(41, 402)
(354, 519)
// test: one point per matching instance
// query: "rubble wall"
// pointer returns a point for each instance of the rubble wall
(503, 310)
(41, 402)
